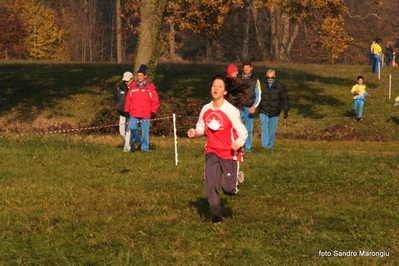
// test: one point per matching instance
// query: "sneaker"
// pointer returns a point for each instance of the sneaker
(240, 176)
(136, 146)
(126, 150)
(236, 190)
(217, 221)
(358, 119)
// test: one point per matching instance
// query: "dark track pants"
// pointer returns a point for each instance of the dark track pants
(214, 168)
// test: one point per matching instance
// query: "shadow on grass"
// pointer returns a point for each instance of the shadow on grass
(28, 89)
(394, 119)
(306, 90)
(202, 206)
(350, 114)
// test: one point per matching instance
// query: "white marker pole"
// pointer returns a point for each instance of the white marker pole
(174, 131)
(390, 85)
(379, 70)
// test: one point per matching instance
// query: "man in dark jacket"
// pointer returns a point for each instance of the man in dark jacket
(119, 99)
(389, 55)
(274, 98)
(247, 114)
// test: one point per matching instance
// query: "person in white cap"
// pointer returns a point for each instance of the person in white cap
(119, 99)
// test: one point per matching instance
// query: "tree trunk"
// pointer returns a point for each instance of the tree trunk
(172, 44)
(118, 20)
(245, 42)
(259, 37)
(151, 16)
(283, 32)
(273, 37)
(293, 37)
(208, 53)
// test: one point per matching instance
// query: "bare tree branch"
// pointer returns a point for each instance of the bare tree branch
(364, 17)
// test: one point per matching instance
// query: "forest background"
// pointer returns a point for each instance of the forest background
(319, 31)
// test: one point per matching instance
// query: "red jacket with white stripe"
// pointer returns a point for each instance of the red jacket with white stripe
(142, 100)
(222, 127)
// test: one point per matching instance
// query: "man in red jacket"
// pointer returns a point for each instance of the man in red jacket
(142, 104)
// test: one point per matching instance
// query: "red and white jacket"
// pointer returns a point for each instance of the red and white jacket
(142, 100)
(223, 127)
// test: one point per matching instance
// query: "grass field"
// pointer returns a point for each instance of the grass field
(328, 192)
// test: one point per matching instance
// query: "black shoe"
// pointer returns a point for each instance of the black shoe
(358, 119)
(217, 221)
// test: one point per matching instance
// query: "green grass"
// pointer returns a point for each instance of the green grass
(77, 199)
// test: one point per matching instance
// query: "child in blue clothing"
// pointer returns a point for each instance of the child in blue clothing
(359, 95)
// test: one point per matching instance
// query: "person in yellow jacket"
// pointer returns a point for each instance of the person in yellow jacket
(371, 53)
(396, 102)
(377, 52)
(359, 94)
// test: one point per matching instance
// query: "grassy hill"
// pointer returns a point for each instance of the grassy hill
(327, 192)
(45, 97)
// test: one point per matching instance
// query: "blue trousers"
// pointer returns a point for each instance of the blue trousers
(269, 127)
(360, 104)
(376, 62)
(248, 121)
(144, 124)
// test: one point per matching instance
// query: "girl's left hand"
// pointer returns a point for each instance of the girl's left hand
(234, 146)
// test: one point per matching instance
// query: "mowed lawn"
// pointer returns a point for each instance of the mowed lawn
(327, 194)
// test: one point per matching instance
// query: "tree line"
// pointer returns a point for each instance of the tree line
(334, 31)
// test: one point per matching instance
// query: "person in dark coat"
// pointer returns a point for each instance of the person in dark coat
(274, 99)
(119, 99)
(389, 55)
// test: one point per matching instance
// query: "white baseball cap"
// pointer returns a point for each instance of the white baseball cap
(127, 76)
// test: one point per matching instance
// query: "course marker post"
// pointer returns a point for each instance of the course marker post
(175, 136)
(390, 86)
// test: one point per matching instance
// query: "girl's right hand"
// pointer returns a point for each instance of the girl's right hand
(191, 133)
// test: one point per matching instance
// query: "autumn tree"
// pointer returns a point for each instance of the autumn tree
(90, 26)
(151, 14)
(253, 9)
(44, 37)
(323, 16)
(221, 30)
(12, 33)
(248, 30)
(205, 18)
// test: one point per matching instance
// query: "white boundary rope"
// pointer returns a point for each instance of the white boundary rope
(174, 116)
(78, 129)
